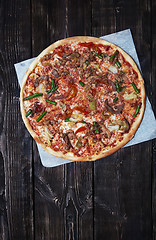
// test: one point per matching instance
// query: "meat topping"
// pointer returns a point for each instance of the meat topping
(116, 109)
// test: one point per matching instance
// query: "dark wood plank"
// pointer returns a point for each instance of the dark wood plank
(153, 53)
(141, 30)
(78, 204)
(64, 192)
(78, 18)
(123, 180)
(103, 18)
(153, 100)
(49, 197)
(16, 203)
(78, 210)
(105, 191)
(48, 25)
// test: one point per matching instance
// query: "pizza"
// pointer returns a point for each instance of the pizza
(82, 98)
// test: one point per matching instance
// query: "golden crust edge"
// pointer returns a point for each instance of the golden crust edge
(127, 137)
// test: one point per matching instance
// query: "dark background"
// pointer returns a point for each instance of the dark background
(112, 198)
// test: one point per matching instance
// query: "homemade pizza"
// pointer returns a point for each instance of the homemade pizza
(82, 98)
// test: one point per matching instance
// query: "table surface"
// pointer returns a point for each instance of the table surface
(112, 198)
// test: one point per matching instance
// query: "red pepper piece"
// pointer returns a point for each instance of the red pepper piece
(72, 92)
(93, 91)
(81, 109)
(81, 129)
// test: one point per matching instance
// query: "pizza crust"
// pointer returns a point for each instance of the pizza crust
(108, 150)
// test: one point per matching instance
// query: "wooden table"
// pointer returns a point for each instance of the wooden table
(112, 198)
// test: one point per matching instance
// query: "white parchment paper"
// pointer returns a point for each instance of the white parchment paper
(147, 129)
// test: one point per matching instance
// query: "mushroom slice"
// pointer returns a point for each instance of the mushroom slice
(67, 141)
(122, 126)
(116, 110)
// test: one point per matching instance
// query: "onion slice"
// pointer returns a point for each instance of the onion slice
(113, 69)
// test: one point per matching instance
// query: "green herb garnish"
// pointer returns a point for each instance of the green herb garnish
(67, 119)
(81, 83)
(113, 56)
(52, 86)
(118, 89)
(94, 53)
(118, 64)
(99, 56)
(115, 99)
(33, 96)
(137, 111)
(55, 89)
(52, 102)
(41, 116)
(29, 112)
(97, 130)
(135, 88)
(83, 121)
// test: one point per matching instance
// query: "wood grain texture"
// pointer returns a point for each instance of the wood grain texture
(78, 209)
(112, 198)
(15, 148)
(153, 100)
(120, 209)
(153, 55)
(78, 204)
(103, 18)
(66, 201)
(48, 25)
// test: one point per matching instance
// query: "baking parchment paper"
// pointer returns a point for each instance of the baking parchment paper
(147, 128)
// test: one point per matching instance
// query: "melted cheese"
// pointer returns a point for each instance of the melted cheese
(69, 72)
(41, 88)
